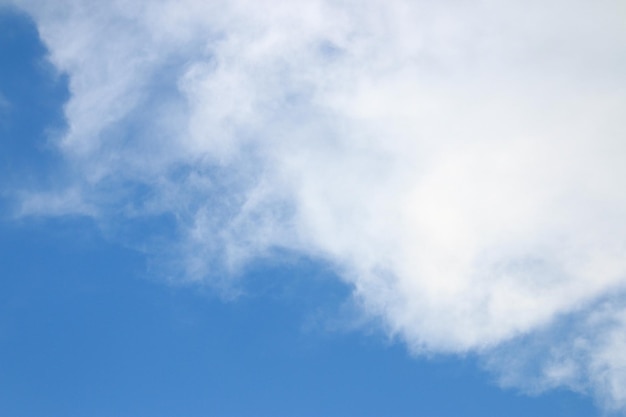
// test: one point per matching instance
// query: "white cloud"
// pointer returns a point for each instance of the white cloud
(462, 164)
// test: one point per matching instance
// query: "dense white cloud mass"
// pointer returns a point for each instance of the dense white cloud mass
(461, 163)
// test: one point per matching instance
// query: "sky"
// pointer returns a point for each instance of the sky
(334, 208)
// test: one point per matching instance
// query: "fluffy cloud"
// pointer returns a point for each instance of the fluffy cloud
(461, 164)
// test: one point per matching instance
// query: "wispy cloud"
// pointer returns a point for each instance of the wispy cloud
(462, 164)
(5, 107)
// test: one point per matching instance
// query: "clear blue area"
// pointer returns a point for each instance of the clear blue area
(85, 331)
(31, 99)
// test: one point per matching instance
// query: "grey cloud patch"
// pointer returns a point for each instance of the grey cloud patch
(461, 165)
(5, 108)
(4, 103)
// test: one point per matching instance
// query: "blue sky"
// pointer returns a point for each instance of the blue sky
(210, 217)
(84, 333)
